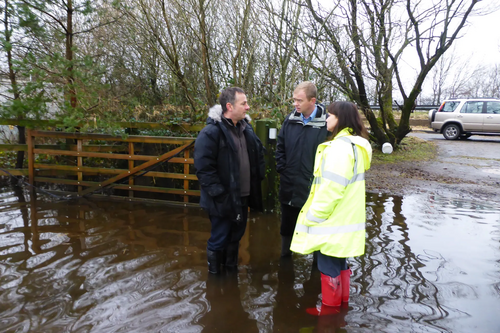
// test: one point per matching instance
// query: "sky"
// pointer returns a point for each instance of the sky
(478, 44)
(481, 40)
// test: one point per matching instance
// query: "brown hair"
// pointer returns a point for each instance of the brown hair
(309, 88)
(348, 117)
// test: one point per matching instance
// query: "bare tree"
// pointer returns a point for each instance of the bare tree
(198, 18)
(281, 33)
(492, 88)
(341, 24)
(368, 40)
(439, 75)
(156, 20)
(432, 30)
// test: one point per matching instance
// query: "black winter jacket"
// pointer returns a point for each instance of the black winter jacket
(295, 152)
(217, 167)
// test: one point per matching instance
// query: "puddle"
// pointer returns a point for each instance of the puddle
(493, 171)
(432, 264)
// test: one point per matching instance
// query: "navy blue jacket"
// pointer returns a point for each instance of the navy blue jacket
(217, 167)
(295, 152)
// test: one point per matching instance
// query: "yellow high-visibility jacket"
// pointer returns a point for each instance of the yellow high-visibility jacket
(333, 218)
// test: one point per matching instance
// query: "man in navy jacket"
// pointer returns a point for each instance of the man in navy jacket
(229, 163)
(301, 133)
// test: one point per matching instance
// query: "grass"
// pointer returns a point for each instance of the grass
(411, 149)
(413, 115)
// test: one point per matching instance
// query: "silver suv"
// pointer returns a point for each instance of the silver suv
(461, 118)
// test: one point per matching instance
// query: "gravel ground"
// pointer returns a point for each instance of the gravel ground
(463, 169)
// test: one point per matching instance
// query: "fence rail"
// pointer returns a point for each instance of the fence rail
(70, 162)
(33, 123)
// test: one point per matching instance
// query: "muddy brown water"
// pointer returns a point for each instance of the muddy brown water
(432, 264)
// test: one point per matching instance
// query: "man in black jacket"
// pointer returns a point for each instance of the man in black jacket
(229, 163)
(301, 133)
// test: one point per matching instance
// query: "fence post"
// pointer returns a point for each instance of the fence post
(131, 152)
(186, 172)
(267, 133)
(79, 163)
(31, 158)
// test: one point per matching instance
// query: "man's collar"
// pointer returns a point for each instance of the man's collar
(312, 115)
(230, 122)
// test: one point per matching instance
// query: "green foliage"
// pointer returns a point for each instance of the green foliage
(32, 103)
(167, 132)
(8, 159)
(53, 83)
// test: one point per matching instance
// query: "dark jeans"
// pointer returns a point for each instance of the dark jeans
(225, 231)
(289, 216)
(331, 266)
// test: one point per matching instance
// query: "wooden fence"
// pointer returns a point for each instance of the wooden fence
(77, 159)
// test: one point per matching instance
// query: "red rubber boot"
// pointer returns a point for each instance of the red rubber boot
(345, 276)
(331, 290)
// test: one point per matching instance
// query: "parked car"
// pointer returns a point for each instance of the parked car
(460, 118)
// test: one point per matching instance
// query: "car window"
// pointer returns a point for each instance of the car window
(449, 106)
(493, 107)
(472, 107)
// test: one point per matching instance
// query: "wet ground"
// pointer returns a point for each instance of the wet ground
(432, 264)
(463, 169)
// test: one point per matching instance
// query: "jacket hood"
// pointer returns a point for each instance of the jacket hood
(364, 145)
(215, 113)
(365, 148)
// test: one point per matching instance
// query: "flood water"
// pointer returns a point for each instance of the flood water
(432, 264)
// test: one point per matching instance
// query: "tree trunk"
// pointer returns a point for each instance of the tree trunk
(70, 79)
(13, 83)
(205, 56)
(236, 61)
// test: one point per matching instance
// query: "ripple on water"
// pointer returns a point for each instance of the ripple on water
(431, 265)
(173, 303)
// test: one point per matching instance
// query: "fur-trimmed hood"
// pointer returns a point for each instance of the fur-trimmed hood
(215, 113)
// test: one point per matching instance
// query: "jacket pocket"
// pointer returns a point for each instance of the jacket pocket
(223, 204)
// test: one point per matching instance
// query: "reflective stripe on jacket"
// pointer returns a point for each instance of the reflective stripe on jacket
(333, 218)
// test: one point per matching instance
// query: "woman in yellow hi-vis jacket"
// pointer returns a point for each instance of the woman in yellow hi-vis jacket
(332, 221)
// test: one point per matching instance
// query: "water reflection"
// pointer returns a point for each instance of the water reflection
(431, 265)
(226, 313)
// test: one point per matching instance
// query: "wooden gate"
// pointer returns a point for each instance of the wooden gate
(76, 155)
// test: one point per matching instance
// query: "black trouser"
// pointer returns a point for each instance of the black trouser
(289, 216)
(225, 231)
(331, 266)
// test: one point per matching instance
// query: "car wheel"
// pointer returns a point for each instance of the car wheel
(451, 132)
